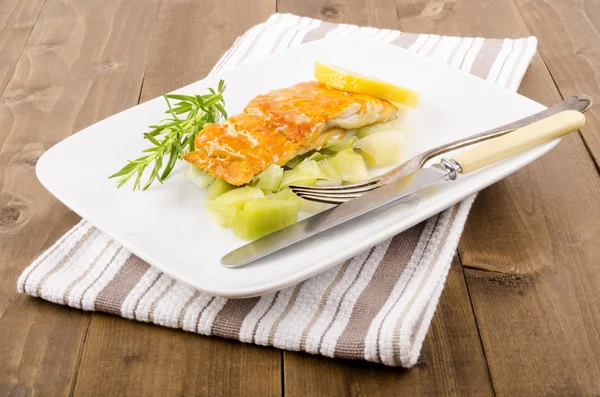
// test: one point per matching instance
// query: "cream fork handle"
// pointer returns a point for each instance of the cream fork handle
(520, 140)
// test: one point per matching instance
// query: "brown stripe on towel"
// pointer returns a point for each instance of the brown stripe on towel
(351, 343)
(319, 32)
(285, 312)
(343, 298)
(231, 317)
(322, 303)
(111, 298)
(65, 259)
(427, 234)
(490, 49)
(155, 303)
(185, 308)
(87, 271)
(428, 272)
(405, 40)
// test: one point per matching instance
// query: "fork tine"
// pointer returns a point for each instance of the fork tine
(326, 200)
(329, 196)
(334, 188)
(327, 193)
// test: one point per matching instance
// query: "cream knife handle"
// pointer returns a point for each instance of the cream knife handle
(528, 137)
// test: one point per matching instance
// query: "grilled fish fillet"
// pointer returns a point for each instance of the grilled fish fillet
(278, 126)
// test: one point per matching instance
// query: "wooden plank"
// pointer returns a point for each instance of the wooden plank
(17, 18)
(84, 61)
(451, 363)
(538, 311)
(569, 37)
(190, 36)
(127, 358)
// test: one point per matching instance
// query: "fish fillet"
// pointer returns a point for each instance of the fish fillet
(278, 126)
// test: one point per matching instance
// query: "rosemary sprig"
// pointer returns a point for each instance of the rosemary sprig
(173, 137)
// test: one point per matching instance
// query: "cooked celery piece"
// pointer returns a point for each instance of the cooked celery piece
(223, 214)
(238, 197)
(265, 215)
(301, 182)
(293, 163)
(218, 187)
(347, 166)
(393, 125)
(313, 207)
(198, 176)
(285, 194)
(318, 156)
(306, 170)
(270, 179)
(381, 148)
(329, 183)
(337, 145)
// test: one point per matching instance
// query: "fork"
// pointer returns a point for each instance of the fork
(341, 194)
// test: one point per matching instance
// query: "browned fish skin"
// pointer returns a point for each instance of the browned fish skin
(278, 126)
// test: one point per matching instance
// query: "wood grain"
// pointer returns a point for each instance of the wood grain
(492, 19)
(84, 61)
(118, 353)
(378, 13)
(17, 18)
(569, 37)
(126, 358)
(192, 35)
(451, 363)
(538, 312)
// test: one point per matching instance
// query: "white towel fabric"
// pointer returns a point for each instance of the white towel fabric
(376, 306)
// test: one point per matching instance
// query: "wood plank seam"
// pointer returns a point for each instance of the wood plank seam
(487, 366)
(12, 72)
(80, 354)
(160, 5)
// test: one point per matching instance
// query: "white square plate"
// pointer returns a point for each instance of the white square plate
(167, 225)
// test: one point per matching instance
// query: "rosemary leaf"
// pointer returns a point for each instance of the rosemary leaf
(173, 136)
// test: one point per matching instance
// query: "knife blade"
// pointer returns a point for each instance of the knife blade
(381, 198)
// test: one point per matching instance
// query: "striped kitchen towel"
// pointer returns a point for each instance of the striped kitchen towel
(376, 306)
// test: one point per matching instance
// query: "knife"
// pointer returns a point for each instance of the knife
(484, 154)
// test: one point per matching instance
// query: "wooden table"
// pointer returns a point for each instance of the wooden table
(520, 314)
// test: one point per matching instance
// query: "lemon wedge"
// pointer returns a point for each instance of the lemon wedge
(345, 80)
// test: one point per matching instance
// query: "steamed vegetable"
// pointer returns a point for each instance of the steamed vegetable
(238, 197)
(198, 176)
(270, 179)
(346, 166)
(305, 173)
(218, 187)
(381, 148)
(266, 215)
(222, 214)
